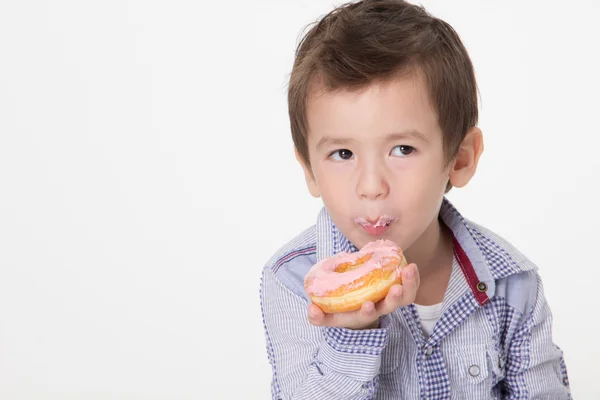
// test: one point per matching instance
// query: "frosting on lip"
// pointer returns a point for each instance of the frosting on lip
(323, 278)
(381, 221)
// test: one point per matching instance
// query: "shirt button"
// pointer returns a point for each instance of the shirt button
(429, 351)
(474, 370)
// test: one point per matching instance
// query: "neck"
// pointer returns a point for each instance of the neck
(432, 252)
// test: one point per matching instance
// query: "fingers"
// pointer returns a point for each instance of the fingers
(411, 276)
(401, 295)
(315, 315)
(410, 283)
(366, 317)
(392, 301)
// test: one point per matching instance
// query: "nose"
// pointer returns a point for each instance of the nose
(372, 183)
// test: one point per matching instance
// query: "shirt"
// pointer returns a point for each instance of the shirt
(492, 340)
(429, 315)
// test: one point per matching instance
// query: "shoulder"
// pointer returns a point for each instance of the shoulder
(290, 263)
(516, 276)
(503, 258)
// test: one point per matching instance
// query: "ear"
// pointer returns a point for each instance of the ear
(465, 163)
(311, 183)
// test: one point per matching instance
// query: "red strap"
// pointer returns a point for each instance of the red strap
(470, 274)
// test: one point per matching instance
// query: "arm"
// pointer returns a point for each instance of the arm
(315, 363)
(535, 366)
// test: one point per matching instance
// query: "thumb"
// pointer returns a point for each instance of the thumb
(315, 315)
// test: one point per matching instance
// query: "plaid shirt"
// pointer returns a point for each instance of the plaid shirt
(493, 339)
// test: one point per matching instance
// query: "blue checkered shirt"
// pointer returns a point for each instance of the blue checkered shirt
(492, 341)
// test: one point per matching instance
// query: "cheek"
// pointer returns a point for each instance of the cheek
(435, 172)
(420, 174)
(421, 187)
(333, 179)
(335, 197)
(335, 191)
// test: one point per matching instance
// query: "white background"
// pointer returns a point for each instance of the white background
(147, 174)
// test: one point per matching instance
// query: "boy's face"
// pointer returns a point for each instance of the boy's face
(377, 160)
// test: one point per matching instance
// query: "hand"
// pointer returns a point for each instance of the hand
(368, 315)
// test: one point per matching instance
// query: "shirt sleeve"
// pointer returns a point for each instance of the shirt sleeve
(535, 366)
(315, 363)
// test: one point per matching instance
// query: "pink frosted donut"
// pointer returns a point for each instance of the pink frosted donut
(345, 281)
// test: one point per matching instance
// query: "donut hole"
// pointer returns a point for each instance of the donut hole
(349, 266)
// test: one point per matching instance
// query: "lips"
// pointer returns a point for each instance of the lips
(375, 230)
(376, 227)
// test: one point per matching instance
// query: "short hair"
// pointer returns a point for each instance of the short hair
(369, 41)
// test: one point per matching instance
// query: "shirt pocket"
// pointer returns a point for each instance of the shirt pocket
(475, 371)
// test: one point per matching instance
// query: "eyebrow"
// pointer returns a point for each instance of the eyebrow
(330, 141)
(413, 133)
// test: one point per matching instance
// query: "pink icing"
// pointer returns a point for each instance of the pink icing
(322, 278)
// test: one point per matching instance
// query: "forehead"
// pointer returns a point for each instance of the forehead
(375, 111)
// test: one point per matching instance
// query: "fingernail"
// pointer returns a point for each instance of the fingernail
(410, 273)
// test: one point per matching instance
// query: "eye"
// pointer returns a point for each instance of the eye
(340, 155)
(402, 151)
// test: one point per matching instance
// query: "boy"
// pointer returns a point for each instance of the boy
(383, 110)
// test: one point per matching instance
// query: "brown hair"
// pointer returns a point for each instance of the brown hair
(360, 43)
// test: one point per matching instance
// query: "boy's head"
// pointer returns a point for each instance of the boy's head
(383, 111)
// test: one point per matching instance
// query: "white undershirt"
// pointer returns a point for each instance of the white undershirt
(429, 315)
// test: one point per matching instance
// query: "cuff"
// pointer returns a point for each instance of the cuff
(354, 353)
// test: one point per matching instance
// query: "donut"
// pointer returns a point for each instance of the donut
(345, 281)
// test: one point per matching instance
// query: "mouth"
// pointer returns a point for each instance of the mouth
(377, 226)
